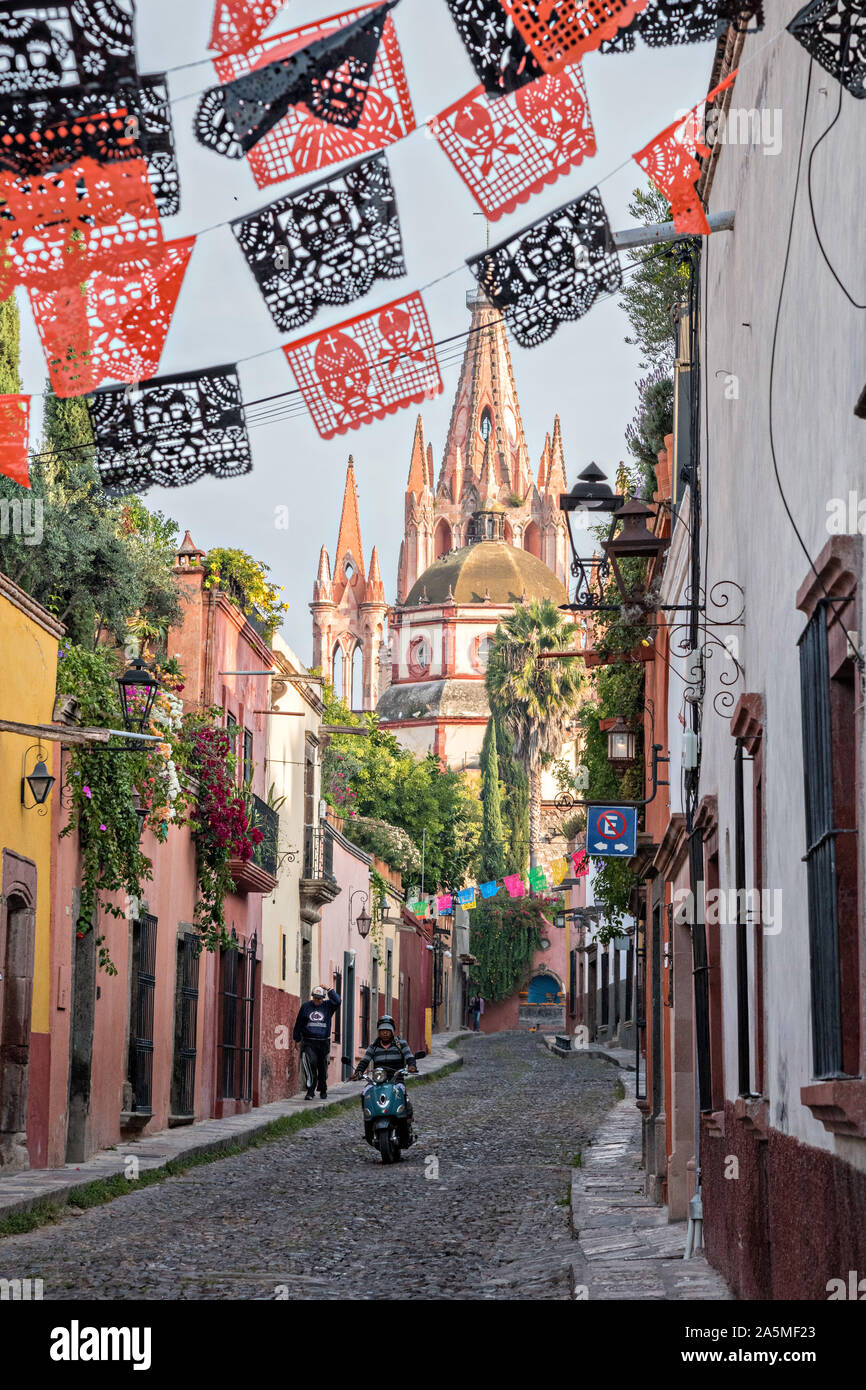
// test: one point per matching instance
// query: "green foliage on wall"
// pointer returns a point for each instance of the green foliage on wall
(504, 936)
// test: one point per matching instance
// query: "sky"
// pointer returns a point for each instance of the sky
(586, 372)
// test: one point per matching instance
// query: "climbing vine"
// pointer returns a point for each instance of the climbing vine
(503, 938)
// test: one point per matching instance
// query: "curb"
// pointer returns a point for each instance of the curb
(590, 1050)
(235, 1138)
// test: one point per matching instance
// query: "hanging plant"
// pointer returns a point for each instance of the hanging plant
(101, 785)
(220, 825)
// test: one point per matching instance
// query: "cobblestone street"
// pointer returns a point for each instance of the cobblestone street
(318, 1212)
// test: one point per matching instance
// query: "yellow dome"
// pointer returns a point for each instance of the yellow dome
(489, 571)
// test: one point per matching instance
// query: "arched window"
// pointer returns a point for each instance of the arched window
(442, 539)
(532, 540)
(337, 671)
(486, 423)
(357, 692)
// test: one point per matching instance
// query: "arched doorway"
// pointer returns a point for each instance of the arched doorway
(442, 539)
(17, 949)
(544, 989)
(532, 540)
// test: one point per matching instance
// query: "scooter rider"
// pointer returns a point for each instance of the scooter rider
(313, 1031)
(389, 1052)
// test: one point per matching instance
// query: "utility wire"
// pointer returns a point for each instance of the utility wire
(832, 271)
(861, 662)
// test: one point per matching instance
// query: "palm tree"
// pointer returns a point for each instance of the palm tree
(534, 698)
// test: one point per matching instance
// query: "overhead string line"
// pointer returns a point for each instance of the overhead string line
(417, 130)
(266, 352)
(299, 408)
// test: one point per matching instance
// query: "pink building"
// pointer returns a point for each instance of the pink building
(173, 1037)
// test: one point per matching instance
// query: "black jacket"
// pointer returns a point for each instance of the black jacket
(391, 1058)
(313, 1023)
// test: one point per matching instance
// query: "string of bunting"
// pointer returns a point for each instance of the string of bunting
(84, 238)
(290, 124)
(516, 886)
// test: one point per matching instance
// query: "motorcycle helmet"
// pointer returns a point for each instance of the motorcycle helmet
(319, 993)
(386, 1021)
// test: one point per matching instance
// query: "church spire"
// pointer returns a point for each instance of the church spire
(418, 466)
(349, 547)
(555, 482)
(486, 408)
(544, 466)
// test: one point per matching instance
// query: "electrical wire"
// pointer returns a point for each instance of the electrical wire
(830, 267)
(858, 655)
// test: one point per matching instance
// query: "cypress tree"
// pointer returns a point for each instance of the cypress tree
(492, 845)
(516, 784)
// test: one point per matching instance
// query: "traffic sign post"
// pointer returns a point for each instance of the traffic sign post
(611, 831)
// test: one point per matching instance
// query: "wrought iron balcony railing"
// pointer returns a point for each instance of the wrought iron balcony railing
(318, 852)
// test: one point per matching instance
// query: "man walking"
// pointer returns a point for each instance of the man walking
(313, 1031)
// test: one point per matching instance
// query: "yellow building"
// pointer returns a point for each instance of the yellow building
(28, 642)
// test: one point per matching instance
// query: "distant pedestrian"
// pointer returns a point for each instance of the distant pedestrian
(313, 1031)
(476, 1009)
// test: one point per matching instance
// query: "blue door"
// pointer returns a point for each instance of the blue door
(542, 986)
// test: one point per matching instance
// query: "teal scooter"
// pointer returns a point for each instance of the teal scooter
(387, 1124)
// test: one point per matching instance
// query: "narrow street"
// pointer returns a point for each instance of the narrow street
(318, 1212)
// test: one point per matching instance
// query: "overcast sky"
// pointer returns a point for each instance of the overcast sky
(586, 372)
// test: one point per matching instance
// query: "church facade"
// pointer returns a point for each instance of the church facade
(485, 535)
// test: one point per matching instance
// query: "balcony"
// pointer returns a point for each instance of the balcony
(318, 884)
(259, 874)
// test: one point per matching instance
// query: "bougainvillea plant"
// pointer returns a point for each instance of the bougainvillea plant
(218, 820)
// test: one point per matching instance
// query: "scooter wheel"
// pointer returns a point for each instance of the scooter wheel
(384, 1145)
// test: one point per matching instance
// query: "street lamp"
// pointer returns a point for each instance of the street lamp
(137, 687)
(621, 744)
(363, 920)
(591, 493)
(40, 783)
(635, 541)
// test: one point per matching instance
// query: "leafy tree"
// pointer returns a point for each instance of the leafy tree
(10, 381)
(492, 847)
(374, 776)
(660, 282)
(532, 697)
(99, 562)
(653, 419)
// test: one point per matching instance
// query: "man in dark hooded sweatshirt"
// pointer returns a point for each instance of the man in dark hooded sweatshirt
(313, 1031)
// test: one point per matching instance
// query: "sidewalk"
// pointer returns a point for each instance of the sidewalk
(619, 1056)
(627, 1248)
(21, 1191)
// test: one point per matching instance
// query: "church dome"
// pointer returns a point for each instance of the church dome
(491, 571)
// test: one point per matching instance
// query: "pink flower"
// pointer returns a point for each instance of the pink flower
(103, 827)
(88, 793)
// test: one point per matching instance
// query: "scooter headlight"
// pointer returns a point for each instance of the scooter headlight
(380, 1075)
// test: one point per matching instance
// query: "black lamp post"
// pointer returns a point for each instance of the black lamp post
(137, 687)
(591, 493)
(40, 783)
(635, 541)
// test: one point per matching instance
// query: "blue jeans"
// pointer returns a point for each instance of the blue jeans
(476, 1019)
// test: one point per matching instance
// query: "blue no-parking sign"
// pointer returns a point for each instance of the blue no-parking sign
(611, 831)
